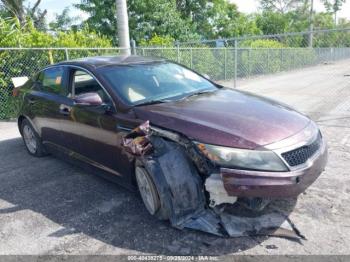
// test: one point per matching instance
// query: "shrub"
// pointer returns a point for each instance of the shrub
(25, 62)
(157, 40)
(271, 56)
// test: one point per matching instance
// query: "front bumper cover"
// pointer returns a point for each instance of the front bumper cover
(247, 183)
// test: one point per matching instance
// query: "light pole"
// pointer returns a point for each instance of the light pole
(123, 27)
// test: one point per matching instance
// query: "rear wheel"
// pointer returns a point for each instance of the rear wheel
(31, 140)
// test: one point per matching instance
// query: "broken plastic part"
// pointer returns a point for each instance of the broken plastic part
(171, 161)
(254, 203)
(224, 224)
(137, 142)
(273, 224)
(217, 193)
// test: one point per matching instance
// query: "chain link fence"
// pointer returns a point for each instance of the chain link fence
(243, 57)
(16, 62)
(228, 60)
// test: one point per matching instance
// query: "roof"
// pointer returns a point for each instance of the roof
(99, 61)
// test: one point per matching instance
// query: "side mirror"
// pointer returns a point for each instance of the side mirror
(19, 81)
(88, 99)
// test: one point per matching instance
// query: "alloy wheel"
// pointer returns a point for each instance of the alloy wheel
(30, 139)
(147, 190)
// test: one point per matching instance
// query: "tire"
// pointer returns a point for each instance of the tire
(32, 140)
(149, 193)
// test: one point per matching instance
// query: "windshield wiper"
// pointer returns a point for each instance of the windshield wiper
(198, 93)
(152, 102)
(159, 101)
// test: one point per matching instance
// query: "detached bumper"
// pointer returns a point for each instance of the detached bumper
(245, 183)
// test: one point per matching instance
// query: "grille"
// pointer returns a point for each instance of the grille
(302, 154)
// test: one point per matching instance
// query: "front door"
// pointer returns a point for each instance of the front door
(96, 126)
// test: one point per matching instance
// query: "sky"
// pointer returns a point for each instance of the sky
(246, 6)
(251, 6)
(56, 6)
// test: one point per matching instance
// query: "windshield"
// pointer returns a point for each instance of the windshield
(144, 83)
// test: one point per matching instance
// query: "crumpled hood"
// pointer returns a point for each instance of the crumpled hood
(228, 118)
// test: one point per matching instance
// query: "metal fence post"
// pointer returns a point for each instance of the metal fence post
(281, 66)
(178, 52)
(268, 61)
(50, 56)
(236, 63)
(249, 59)
(66, 52)
(225, 63)
(191, 54)
(133, 46)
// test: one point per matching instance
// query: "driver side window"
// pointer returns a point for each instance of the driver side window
(82, 83)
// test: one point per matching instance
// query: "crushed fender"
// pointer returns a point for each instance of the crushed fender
(179, 173)
(137, 142)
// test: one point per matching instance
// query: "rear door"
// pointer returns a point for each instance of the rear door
(49, 92)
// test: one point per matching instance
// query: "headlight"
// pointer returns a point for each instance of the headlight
(243, 158)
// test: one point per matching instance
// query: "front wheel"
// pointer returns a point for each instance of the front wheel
(149, 193)
(32, 140)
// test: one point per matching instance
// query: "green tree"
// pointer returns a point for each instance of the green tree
(192, 10)
(333, 6)
(295, 20)
(281, 6)
(4, 13)
(17, 9)
(298, 19)
(323, 21)
(179, 19)
(158, 17)
(221, 19)
(145, 18)
(101, 16)
(272, 22)
(63, 21)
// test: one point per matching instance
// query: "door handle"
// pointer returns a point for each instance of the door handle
(123, 128)
(65, 110)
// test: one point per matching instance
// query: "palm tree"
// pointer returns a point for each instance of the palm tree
(17, 9)
(123, 26)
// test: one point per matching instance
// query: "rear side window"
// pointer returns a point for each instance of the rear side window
(51, 80)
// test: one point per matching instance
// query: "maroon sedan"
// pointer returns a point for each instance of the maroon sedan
(186, 143)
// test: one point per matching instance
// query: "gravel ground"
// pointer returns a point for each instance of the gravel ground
(50, 207)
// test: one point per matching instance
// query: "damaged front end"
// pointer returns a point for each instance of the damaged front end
(191, 189)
